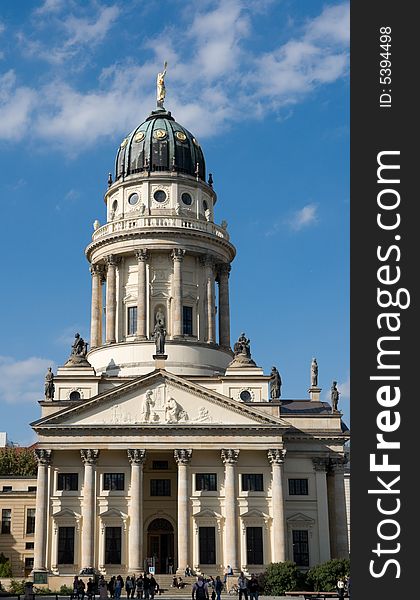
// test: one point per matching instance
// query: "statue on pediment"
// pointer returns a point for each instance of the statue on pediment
(146, 409)
(49, 385)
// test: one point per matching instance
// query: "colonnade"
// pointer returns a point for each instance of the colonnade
(107, 272)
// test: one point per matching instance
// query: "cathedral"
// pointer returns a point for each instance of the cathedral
(161, 443)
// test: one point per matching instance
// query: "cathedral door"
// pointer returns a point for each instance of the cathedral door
(160, 544)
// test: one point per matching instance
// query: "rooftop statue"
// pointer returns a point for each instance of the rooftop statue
(335, 394)
(314, 373)
(160, 85)
(275, 387)
(78, 352)
(49, 385)
(242, 353)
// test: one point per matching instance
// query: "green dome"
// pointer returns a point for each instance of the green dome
(160, 144)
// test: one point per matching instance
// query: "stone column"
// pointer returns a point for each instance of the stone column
(95, 322)
(320, 466)
(111, 299)
(341, 542)
(135, 536)
(89, 458)
(224, 312)
(177, 257)
(276, 457)
(101, 308)
(230, 458)
(183, 458)
(142, 258)
(208, 263)
(41, 521)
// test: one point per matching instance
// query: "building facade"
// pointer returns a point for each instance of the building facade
(162, 444)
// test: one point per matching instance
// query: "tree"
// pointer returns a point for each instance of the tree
(323, 577)
(280, 578)
(18, 461)
(5, 566)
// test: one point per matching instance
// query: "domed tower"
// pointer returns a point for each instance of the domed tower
(160, 256)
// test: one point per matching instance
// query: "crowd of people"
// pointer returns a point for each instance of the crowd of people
(208, 588)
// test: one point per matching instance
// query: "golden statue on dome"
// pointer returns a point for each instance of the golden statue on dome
(160, 84)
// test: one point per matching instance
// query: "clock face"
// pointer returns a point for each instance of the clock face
(139, 136)
(159, 134)
(180, 136)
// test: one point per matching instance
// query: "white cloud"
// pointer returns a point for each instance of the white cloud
(16, 104)
(50, 6)
(304, 217)
(22, 380)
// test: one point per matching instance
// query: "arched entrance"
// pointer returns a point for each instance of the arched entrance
(160, 543)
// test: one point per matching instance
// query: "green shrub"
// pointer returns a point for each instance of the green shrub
(42, 591)
(17, 587)
(65, 590)
(280, 578)
(5, 566)
(323, 577)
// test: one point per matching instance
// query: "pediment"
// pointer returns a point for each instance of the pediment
(66, 513)
(300, 519)
(113, 513)
(206, 513)
(160, 399)
(254, 513)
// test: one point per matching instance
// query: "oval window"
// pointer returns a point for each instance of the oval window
(205, 205)
(114, 205)
(133, 199)
(245, 395)
(159, 196)
(186, 199)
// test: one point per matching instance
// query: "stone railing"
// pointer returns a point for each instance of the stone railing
(156, 222)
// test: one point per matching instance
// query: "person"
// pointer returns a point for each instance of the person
(200, 590)
(228, 573)
(146, 587)
(133, 585)
(139, 586)
(275, 391)
(314, 373)
(218, 587)
(341, 588)
(188, 571)
(111, 586)
(152, 588)
(76, 587)
(49, 385)
(103, 588)
(181, 583)
(243, 586)
(81, 589)
(253, 587)
(90, 589)
(170, 564)
(348, 586)
(118, 587)
(334, 396)
(128, 586)
(174, 582)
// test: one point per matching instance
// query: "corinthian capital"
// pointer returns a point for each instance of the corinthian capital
(182, 457)
(136, 456)
(112, 260)
(178, 254)
(276, 456)
(320, 463)
(223, 269)
(43, 456)
(229, 456)
(89, 457)
(142, 255)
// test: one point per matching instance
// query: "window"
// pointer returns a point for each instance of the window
(30, 521)
(206, 482)
(252, 482)
(300, 547)
(68, 482)
(65, 553)
(133, 199)
(186, 199)
(131, 320)
(254, 545)
(160, 487)
(114, 481)
(298, 487)
(7, 488)
(187, 319)
(245, 396)
(29, 565)
(207, 544)
(74, 395)
(159, 196)
(160, 465)
(6, 520)
(31, 488)
(113, 545)
(29, 545)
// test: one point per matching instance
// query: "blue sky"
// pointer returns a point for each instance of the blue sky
(263, 85)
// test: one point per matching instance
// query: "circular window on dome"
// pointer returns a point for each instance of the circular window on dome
(159, 196)
(133, 199)
(205, 205)
(245, 396)
(180, 135)
(139, 136)
(159, 134)
(186, 199)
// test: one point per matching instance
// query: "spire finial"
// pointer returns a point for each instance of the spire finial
(160, 85)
